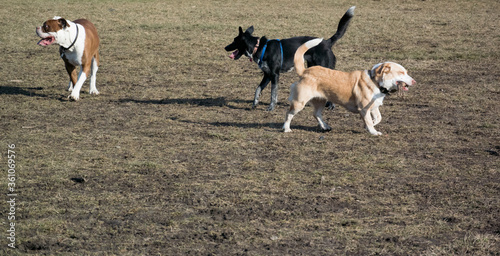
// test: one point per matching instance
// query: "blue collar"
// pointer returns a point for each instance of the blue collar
(264, 51)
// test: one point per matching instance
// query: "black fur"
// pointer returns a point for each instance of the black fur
(272, 65)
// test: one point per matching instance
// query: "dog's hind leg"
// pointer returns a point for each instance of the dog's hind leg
(93, 72)
(265, 81)
(274, 92)
(319, 105)
(295, 107)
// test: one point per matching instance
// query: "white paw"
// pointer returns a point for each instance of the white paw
(95, 92)
(326, 128)
(74, 97)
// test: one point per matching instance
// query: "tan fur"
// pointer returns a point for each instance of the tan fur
(357, 91)
(91, 42)
(300, 55)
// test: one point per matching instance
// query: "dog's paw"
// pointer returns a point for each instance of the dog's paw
(270, 108)
(74, 97)
(94, 92)
(372, 131)
(286, 127)
(327, 129)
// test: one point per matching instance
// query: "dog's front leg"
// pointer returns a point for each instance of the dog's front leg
(265, 81)
(377, 117)
(72, 75)
(75, 94)
(70, 86)
(366, 116)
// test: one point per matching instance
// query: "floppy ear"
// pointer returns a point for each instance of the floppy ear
(387, 69)
(383, 69)
(249, 30)
(63, 23)
(379, 69)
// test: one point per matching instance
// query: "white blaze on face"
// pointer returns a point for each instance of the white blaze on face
(405, 78)
(48, 32)
(56, 31)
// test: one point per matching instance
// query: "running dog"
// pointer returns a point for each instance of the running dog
(359, 91)
(78, 46)
(275, 56)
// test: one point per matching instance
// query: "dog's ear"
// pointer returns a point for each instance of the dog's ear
(63, 23)
(384, 68)
(240, 30)
(249, 30)
(387, 69)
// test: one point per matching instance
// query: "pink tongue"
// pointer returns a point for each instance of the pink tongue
(233, 55)
(45, 41)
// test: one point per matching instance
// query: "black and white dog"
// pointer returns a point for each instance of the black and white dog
(275, 56)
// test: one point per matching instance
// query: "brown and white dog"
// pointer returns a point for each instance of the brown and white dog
(359, 91)
(79, 46)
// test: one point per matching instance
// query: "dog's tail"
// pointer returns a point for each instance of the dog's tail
(299, 55)
(343, 24)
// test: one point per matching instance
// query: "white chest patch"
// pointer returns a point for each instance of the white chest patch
(73, 57)
(74, 54)
(378, 100)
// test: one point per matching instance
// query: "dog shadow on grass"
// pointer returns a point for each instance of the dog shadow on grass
(222, 102)
(275, 126)
(13, 90)
(205, 102)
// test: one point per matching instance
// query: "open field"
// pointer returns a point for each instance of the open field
(170, 160)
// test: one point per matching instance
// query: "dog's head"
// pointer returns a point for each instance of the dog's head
(389, 75)
(244, 43)
(52, 31)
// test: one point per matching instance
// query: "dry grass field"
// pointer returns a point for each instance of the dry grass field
(170, 159)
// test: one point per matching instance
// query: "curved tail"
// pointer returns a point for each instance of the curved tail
(298, 59)
(343, 24)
